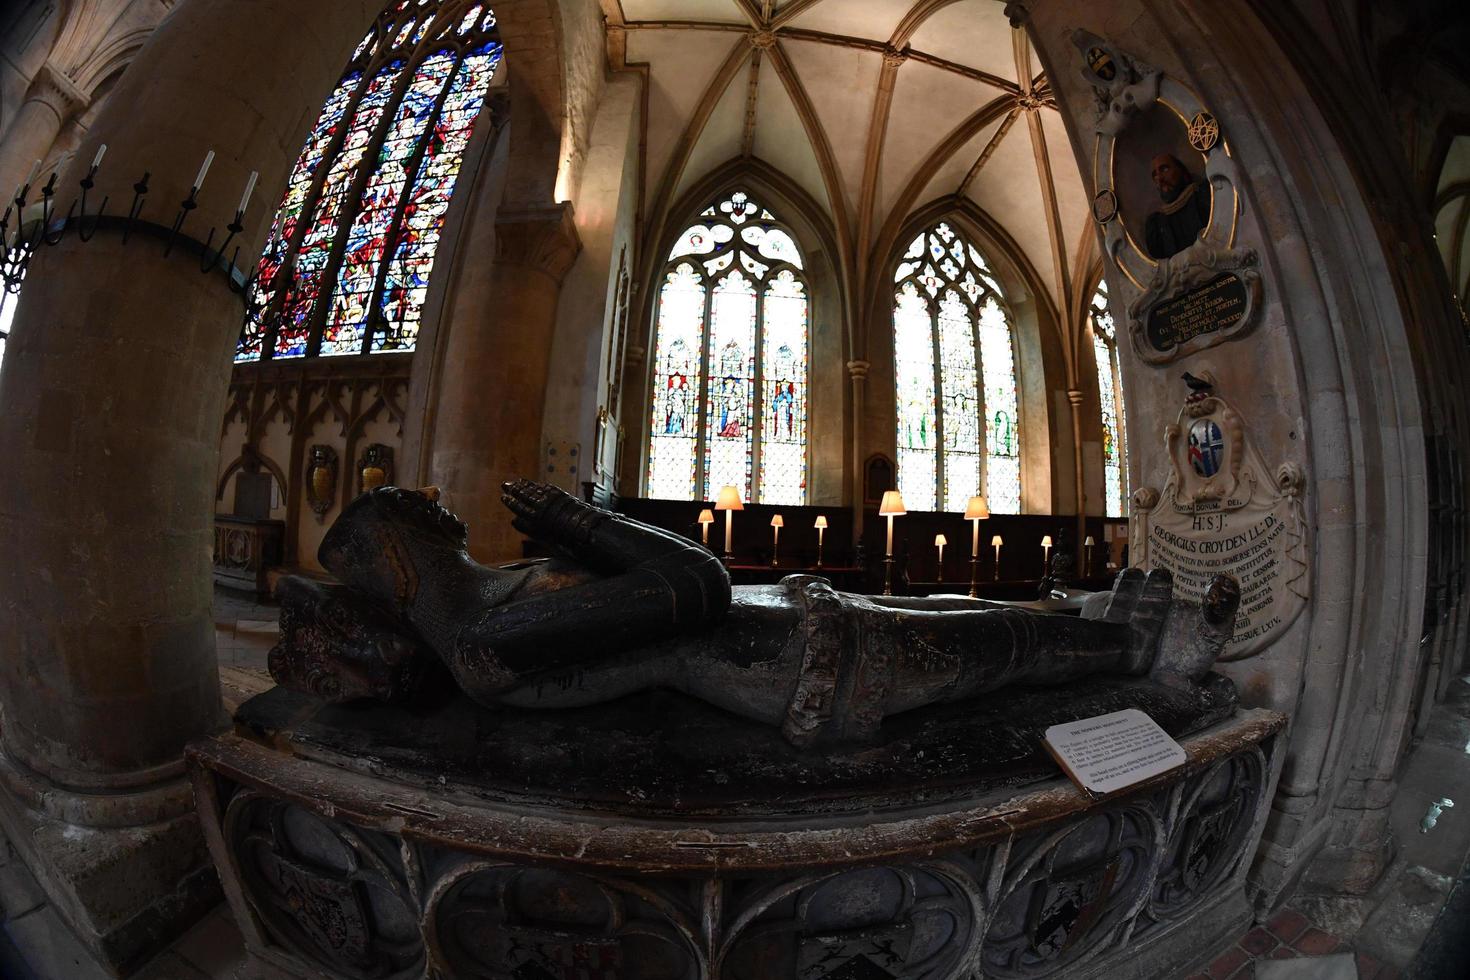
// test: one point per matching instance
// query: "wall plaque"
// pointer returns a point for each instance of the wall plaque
(1218, 305)
(1224, 511)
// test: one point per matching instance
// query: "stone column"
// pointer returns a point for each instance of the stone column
(113, 388)
(53, 99)
(857, 373)
(491, 398)
(1075, 398)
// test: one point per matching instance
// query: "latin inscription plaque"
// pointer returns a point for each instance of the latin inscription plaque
(1216, 306)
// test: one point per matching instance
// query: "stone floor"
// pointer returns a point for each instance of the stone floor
(1372, 938)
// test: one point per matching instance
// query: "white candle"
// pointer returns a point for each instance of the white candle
(31, 177)
(101, 152)
(728, 515)
(890, 536)
(975, 542)
(203, 170)
(250, 189)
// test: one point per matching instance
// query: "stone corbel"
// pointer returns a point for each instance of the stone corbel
(541, 238)
(54, 89)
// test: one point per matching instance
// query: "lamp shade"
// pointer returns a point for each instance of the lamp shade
(776, 521)
(706, 516)
(996, 542)
(1046, 540)
(892, 505)
(729, 499)
(977, 509)
(940, 539)
(821, 521)
(1089, 542)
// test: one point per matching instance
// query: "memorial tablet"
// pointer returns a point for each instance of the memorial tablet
(1113, 751)
(1224, 512)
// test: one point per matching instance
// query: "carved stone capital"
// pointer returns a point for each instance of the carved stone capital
(543, 239)
(894, 57)
(858, 370)
(52, 88)
(1074, 396)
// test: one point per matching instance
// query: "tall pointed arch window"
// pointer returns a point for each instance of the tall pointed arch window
(730, 360)
(346, 266)
(955, 370)
(1110, 396)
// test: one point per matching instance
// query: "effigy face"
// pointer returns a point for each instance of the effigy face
(339, 647)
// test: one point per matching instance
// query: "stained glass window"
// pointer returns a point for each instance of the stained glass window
(730, 360)
(1110, 396)
(955, 370)
(346, 265)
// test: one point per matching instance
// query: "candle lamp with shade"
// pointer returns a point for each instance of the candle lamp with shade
(1088, 545)
(821, 526)
(995, 543)
(939, 542)
(891, 507)
(729, 502)
(776, 525)
(1045, 553)
(975, 512)
(706, 518)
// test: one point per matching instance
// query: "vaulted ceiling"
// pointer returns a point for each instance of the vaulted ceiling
(874, 107)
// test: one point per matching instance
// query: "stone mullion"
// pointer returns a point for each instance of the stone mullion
(395, 224)
(757, 396)
(701, 421)
(984, 415)
(940, 463)
(271, 316)
(351, 202)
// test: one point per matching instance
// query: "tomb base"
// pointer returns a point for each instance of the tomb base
(374, 842)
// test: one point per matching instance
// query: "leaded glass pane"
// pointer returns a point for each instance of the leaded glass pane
(728, 409)
(974, 378)
(676, 381)
(406, 280)
(961, 402)
(784, 367)
(750, 373)
(913, 356)
(1110, 399)
(353, 241)
(997, 357)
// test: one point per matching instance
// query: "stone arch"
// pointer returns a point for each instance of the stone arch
(831, 343)
(1036, 327)
(1333, 353)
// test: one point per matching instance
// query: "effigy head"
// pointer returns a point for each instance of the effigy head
(338, 647)
(382, 539)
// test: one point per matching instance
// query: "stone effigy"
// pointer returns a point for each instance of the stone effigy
(626, 607)
(612, 763)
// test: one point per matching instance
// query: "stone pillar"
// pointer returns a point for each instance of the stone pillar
(53, 99)
(1075, 398)
(113, 388)
(492, 395)
(857, 373)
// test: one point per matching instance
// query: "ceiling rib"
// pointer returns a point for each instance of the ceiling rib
(1021, 47)
(791, 11)
(989, 151)
(835, 40)
(751, 12)
(679, 159)
(752, 97)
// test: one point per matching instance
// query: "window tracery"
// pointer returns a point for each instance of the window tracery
(731, 360)
(1110, 398)
(955, 371)
(346, 266)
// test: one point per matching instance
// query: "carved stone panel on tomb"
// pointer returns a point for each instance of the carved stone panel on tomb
(1224, 510)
